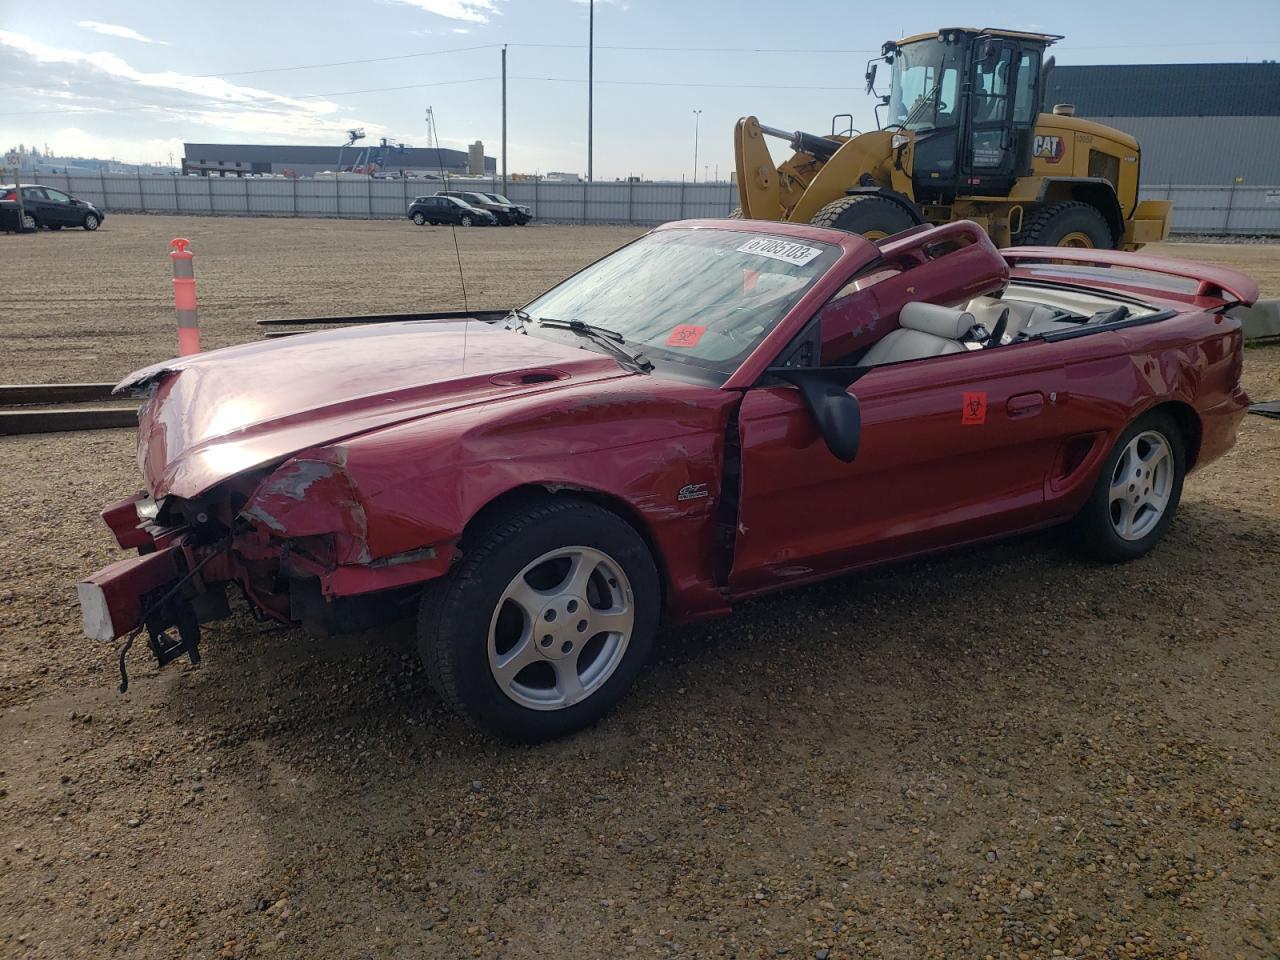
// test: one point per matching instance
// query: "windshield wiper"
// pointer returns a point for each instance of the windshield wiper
(611, 340)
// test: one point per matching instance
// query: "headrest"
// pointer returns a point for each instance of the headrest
(947, 322)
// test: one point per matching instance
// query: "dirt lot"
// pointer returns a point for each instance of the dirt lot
(1005, 752)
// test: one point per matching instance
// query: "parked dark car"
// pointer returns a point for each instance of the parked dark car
(506, 211)
(441, 209)
(11, 218)
(47, 207)
(522, 215)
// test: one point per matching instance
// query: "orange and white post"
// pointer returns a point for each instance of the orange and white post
(184, 297)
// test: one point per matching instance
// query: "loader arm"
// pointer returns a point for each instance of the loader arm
(821, 169)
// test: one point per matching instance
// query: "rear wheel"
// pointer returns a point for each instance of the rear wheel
(872, 216)
(1137, 492)
(544, 623)
(29, 222)
(419, 219)
(1068, 224)
(91, 221)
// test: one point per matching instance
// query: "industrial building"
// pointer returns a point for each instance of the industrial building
(241, 160)
(1207, 124)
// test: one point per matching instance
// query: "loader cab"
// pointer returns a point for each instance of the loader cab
(971, 99)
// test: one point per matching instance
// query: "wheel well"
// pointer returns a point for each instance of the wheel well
(1188, 421)
(526, 495)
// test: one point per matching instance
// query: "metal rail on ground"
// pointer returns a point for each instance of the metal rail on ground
(27, 408)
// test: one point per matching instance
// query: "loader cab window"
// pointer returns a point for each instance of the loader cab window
(1026, 102)
(1005, 103)
(925, 89)
(992, 102)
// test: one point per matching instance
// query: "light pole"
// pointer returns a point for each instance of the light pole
(591, 63)
(697, 118)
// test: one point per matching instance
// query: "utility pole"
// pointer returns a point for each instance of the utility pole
(697, 118)
(591, 63)
(504, 119)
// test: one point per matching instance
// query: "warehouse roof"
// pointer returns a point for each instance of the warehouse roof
(1168, 89)
(422, 157)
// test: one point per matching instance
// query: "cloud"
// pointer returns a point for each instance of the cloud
(116, 68)
(115, 30)
(123, 99)
(476, 11)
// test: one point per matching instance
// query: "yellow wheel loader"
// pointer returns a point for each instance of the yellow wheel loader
(963, 138)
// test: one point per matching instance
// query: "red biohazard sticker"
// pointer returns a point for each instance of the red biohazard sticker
(686, 335)
(974, 411)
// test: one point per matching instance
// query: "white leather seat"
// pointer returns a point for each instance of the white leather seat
(1022, 315)
(924, 330)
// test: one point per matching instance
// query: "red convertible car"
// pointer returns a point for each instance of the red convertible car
(719, 409)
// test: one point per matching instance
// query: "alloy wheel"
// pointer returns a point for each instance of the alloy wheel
(1141, 485)
(561, 628)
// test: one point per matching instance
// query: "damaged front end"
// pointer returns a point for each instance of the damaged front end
(293, 540)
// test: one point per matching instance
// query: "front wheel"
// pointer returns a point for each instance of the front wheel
(545, 623)
(91, 221)
(1067, 224)
(1137, 491)
(465, 221)
(873, 216)
(419, 219)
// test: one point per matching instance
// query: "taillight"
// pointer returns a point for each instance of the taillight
(11, 195)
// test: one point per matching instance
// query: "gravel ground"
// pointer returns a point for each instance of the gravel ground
(1002, 752)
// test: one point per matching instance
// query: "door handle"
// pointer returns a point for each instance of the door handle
(1025, 404)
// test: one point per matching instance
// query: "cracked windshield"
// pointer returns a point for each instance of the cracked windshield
(696, 296)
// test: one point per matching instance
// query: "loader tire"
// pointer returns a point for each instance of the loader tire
(873, 217)
(1067, 224)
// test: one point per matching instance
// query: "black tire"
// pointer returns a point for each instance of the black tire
(91, 221)
(871, 216)
(419, 219)
(1093, 530)
(1067, 224)
(464, 220)
(455, 615)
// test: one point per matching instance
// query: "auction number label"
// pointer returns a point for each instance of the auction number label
(775, 248)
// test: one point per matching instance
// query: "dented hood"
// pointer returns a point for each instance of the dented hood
(214, 415)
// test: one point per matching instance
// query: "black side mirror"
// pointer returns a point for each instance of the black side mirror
(871, 78)
(835, 410)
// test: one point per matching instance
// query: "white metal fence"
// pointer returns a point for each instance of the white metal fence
(1224, 210)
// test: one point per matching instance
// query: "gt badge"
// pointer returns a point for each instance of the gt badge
(692, 491)
(974, 411)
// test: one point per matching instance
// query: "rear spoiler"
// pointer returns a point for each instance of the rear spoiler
(1218, 283)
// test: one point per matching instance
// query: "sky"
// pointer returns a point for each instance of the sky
(133, 80)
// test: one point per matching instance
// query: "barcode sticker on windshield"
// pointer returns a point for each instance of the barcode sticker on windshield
(775, 248)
